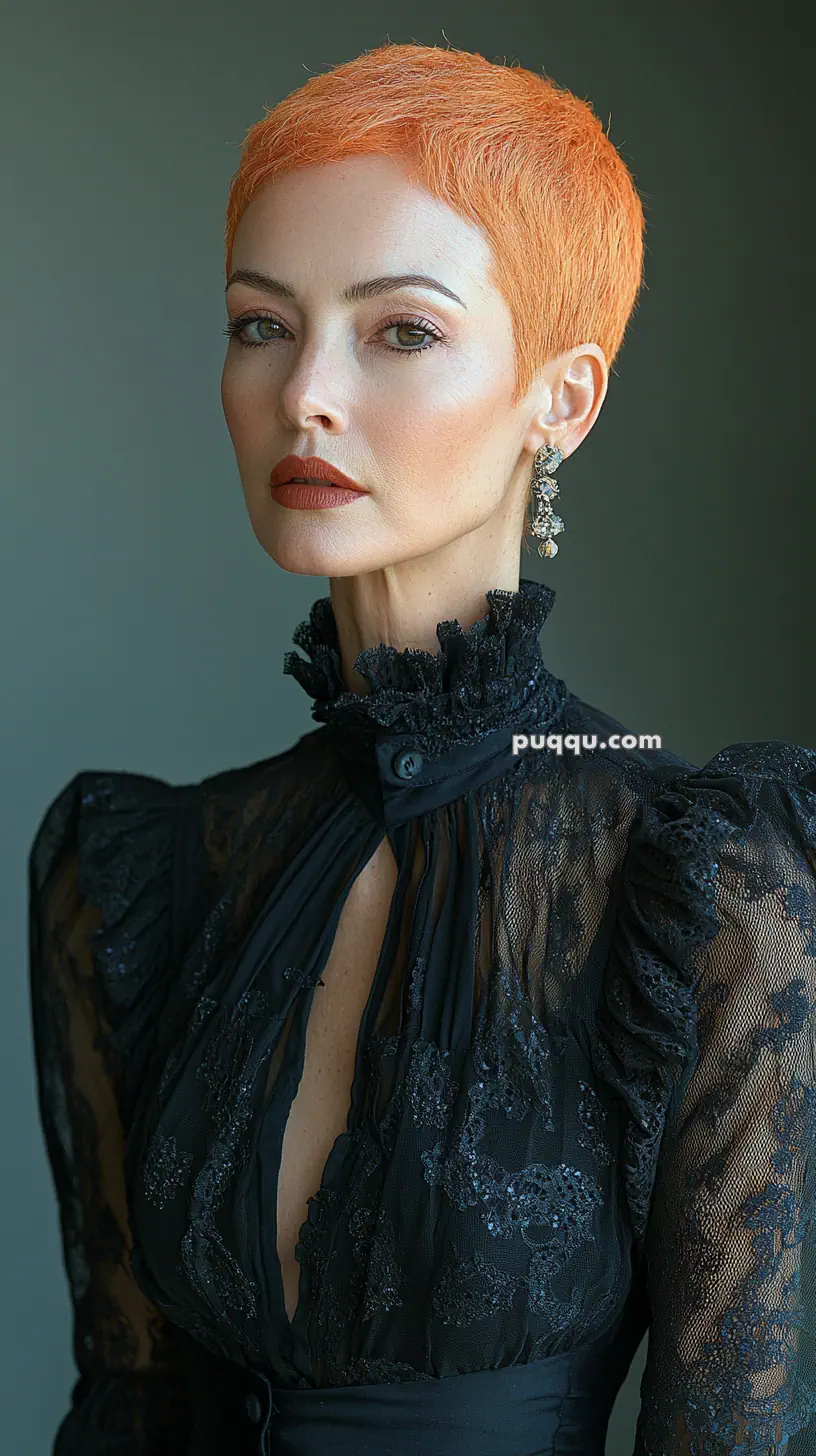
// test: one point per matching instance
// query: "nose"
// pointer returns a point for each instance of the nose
(312, 395)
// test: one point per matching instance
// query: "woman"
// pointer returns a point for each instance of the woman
(395, 1085)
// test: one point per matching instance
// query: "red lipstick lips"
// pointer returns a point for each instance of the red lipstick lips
(312, 484)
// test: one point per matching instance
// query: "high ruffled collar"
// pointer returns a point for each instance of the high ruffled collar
(489, 676)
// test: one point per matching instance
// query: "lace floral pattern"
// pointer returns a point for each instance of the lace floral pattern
(587, 1065)
(734, 1199)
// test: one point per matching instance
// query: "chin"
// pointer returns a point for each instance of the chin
(299, 552)
(304, 543)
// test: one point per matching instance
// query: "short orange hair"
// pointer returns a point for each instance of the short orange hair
(522, 158)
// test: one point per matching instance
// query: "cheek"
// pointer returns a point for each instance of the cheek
(242, 403)
(451, 433)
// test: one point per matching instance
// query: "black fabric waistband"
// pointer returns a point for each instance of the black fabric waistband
(559, 1406)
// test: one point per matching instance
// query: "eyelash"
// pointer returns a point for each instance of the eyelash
(236, 326)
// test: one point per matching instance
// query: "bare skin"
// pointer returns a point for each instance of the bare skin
(319, 1111)
(445, 460)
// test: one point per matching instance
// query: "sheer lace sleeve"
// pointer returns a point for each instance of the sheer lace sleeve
(100, 872)
(718, 933)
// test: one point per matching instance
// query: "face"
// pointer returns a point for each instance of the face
(407, 390)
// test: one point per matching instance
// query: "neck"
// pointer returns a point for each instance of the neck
(485, 676)
(401, 605)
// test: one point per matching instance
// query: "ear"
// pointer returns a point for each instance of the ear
(576, 388)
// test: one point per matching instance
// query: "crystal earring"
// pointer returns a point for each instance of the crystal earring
(544, 524)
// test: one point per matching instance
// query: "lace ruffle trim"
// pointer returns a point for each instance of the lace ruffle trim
(490, 675)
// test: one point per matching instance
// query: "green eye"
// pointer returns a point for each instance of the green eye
(416, 326)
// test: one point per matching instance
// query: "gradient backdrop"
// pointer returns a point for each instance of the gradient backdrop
(143, 627)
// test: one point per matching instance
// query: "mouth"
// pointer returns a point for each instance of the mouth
(295, 470)
(309, 480)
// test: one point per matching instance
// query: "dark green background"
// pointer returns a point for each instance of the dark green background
(143, 628)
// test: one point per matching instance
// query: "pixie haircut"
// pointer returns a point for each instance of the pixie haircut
(523, 159)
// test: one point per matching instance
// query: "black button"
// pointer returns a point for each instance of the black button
(254, 1409)
(407, 763)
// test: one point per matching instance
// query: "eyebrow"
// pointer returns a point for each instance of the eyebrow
(371, 288)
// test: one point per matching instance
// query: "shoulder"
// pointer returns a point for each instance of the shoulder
(595, 774)
(103, 813)
(100, 875)
(119, 829)
(612, 741)
(754, 774)
(708, 843)
(262, 806)
(273, 775)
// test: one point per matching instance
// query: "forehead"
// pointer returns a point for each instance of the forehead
(356, 218)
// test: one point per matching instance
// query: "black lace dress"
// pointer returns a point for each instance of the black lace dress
(584, 1102)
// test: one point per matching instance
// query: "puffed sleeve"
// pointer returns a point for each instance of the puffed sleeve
(100, 891)
(711, 1010)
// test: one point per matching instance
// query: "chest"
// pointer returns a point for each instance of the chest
(319, 1110)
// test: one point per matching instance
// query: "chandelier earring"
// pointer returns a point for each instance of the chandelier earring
(544, 524)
